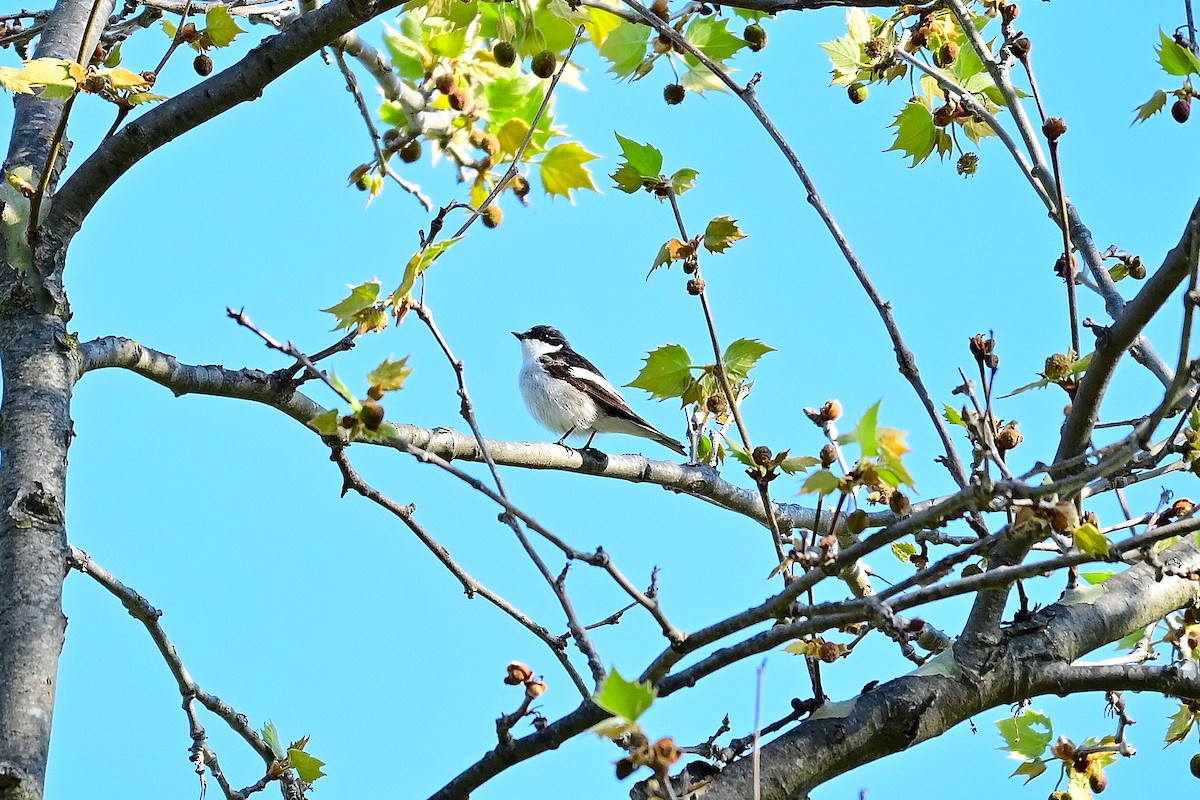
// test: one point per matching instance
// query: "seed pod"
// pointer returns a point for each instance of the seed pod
(856, 523)
(695, 286)
(411, 151)
(661, 10)
(203, 64)
(504, 53)
(1021, 47)
(899, 504)
(1182, 109)
(458, 98)
(755, 36)
(1008, 437)
(375, 393)
(716, 404)
(831, 411)
(674, 94)
(1010, 11)
(371, 415)
(762, 455)
(945, 55)
(518, 673)
(519, 185)
(492, 216)
(1054, 128)
(543, 64)
(445, 83)
(857, 92)
(828, 456)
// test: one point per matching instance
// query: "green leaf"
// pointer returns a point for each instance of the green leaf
(624, 698)
(221, 27)
(953, 415)
(627, 179)
(1031, 768)
(820, 482)
(865, 432)
(645, 159)
(114, 56)
(390, 375)
(1027, 735)
(361, 297)
(797, 464)
(308, 767)
(701, 79)
(742, 355)
(712, 37)
(1174, 58)
(344, 391)
(721, 233)
(1090, 540)
(1181, 724)
(1148, 109)
(740, 454)
(1099, 576)
(392, 114)
(326, 424)
(904, 551)
(916, 134)
(625, 48)
(408, 57)
(563, 170)
(270, 735)
(846, 55)
(449, 44)
(416, 265)
(704, 449)
(683, 180)
(668, 372)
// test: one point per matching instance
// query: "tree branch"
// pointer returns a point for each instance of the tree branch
(240, 83)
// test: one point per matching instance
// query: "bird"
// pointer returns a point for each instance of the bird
(565, 392)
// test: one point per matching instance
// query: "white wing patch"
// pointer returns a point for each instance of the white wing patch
(601, 384)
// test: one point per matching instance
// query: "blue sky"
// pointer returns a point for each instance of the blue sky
(323, 615)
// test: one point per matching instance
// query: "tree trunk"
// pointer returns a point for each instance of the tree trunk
(35, 432)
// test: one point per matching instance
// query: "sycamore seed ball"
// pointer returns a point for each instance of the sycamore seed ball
(203, 65)
(674, 94)
(504, 53)
(543, 64)
(492, 216)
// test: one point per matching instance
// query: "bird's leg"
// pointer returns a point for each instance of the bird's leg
(588, 443)
(563, 440)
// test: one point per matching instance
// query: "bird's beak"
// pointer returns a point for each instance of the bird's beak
(514, 333)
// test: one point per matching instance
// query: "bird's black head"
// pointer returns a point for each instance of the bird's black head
(544, 333)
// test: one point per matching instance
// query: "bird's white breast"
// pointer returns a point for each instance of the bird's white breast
(554, 403)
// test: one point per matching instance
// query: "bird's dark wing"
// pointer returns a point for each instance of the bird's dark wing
(583, 375)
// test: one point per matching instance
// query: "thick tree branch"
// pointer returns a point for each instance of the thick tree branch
(1114, 341)
(1033, 659)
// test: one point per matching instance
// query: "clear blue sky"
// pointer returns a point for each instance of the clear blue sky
(326, 617)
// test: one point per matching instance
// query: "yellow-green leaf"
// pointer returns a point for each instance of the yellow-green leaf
(563, 169)
(360, 297)
(325, 424)
(220, 26)
(820, 482)
(307, 766)
(720, 233)
(390, 375)
(1090, 540)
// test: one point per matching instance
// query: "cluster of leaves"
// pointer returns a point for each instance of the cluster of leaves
(627, 701)
(1028, 737)
(929, 120)
(451, 52)
(365, 419)
(293, 757)
(59, 78)
(880, 468)
(633, 50)
(1176, 58)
